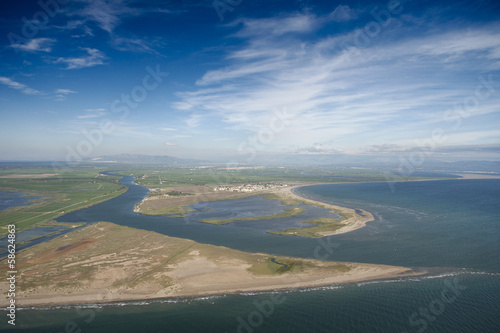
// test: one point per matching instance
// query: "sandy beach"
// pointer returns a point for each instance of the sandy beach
(358, 219)
(105, 262)
(477, 176)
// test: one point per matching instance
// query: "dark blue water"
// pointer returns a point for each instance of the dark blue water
(451, 227)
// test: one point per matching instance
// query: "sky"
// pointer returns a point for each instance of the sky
(242, 79)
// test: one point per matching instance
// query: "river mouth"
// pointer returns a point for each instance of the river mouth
(449, 226)
(419, 213)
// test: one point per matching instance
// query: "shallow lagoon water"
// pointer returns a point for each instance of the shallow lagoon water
(33, 236)
(451, 226)
(14, 199)
(257, 206)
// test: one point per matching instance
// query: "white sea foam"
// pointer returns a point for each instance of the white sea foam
(361, 284)
(256, 293)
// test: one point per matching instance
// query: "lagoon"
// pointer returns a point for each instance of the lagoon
(14, 199)
(449, 226)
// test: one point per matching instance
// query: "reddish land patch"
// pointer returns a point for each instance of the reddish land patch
(59, 252)
(44, 175)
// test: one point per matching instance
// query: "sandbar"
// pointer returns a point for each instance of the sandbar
(105, 262)
(357, 218)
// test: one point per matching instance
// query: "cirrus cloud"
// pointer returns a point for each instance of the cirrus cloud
(94, 57)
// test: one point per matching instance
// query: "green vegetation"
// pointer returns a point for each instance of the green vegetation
(281, 265)
(83, 186)
(178, 211)
(173, 193)
(158, 176)
(278, 266)
(177, 193)
(323, 225)
(291, 211)
(284, 200)
(62, 193)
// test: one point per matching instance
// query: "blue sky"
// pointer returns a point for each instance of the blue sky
(204, 79)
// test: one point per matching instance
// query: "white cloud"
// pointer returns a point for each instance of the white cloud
(274, 27)
(472, 136)
(318, 148)
(61, 94)
(65, 91)
(193, 121)
(342, 13)
(94, 57)
(108, 14)
(88, 116)
(387, 148)
(459, 42)
(393, 87)
(168, 129)
(92, 113)
(105, 13)
(19, 86)
(170, 144)
(36, 45)
(71, 25)
(135, 45)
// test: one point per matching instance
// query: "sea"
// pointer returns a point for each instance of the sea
(449, 228)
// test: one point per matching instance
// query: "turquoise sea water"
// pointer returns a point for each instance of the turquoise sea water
(451, 228)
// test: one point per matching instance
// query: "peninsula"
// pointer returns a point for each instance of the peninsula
(160, 202)
(104, 262)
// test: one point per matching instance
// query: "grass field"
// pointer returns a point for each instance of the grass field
(323, 224)
(168, 176)
(62, 193)
(291, 211)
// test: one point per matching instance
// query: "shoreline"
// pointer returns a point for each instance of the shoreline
(477, 176)
(355, 222)
(358, 219)
(376, 273)
(218, 285)
(105, 263)
(354, 218)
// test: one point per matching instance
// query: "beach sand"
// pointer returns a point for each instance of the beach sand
(358, 219)
(477, 176)
(105, 262)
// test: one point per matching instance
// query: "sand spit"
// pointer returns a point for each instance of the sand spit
(105, 262)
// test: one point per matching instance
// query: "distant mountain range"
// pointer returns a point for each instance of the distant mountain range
(143, 159)
(372, 162)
